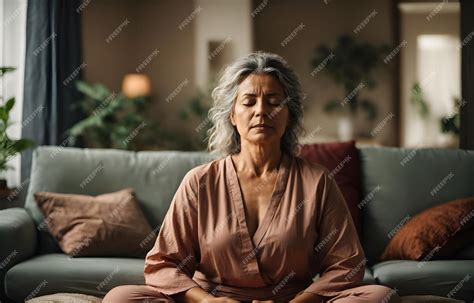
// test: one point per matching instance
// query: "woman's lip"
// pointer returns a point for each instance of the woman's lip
(261, 126)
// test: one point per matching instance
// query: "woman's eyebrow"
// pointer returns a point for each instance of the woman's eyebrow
(270, 94)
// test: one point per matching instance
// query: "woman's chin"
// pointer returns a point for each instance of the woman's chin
(263, 138)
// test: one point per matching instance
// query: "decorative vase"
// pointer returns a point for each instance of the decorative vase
(345, 128)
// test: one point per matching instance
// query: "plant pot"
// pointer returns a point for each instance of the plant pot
(345, 128)
(3, 184)
(4, 190)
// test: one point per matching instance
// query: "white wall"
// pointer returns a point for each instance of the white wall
(12, 53)
(427, 19)
(218, 20)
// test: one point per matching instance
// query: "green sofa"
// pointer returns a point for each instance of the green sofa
(31, 263)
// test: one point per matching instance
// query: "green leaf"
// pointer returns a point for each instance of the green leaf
(418, 101)
(370, 109)
(22, 144)
(183, 115)
(332, 106)
(72, 140)
(6, 69)
(9, 105)
(96, 91)
(3, 115)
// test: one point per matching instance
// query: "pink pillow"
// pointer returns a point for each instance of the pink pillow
(111, 224)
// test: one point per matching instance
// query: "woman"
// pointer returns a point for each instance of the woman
(260, 223)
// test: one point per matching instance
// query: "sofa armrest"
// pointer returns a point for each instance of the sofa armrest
(17, 239)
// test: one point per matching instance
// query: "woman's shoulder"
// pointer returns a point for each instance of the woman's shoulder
(310, 168)
(203, 171)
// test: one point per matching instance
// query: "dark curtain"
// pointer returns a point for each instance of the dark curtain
(53, 63)
(467, 74)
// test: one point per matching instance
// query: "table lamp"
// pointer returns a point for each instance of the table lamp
(136, 85)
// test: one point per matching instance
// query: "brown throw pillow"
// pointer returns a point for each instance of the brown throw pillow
(105, 225)
(435, 233)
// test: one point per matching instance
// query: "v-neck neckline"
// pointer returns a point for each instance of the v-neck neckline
(275, 198)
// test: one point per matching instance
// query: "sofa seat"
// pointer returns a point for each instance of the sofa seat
(369, 276)
(435, 277)
(55, 273)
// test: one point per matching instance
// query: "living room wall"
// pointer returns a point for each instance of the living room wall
(153, 25)
(323, 23)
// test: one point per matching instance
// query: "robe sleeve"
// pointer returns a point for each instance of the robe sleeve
(338, 250)
(171, 263)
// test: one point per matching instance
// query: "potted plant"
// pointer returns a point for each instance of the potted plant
(449, 125)
(113, 120)
(8, 147)
(418, 101)
(350, 65)
(452, 124)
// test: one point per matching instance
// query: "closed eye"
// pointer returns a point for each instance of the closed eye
(272, 102)
(275, 102)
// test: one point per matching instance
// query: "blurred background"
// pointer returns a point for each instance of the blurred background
(138, 74)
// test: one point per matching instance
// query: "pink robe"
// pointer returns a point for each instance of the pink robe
(307, 230)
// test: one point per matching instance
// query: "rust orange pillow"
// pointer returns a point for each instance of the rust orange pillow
(111, 224)
(435, 233)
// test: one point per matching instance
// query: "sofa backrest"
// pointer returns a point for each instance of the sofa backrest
(399, 183)
(155, 176)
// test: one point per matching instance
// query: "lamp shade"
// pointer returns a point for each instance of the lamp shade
(136, 85)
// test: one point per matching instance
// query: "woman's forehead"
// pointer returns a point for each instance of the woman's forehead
(260, 83)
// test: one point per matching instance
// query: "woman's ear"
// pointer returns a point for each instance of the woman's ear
(232, 118)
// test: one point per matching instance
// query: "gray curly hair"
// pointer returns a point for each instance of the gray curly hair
(224, 138)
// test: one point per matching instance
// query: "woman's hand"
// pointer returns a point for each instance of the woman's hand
(199, 295)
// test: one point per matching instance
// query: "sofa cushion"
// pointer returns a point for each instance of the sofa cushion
(438, 232)
(445, 278)
(65, 298)
(399, 183)
(428, 299)
(155, 176)
(17, 240)
(55, 273)
(59, 273)
(107, 225)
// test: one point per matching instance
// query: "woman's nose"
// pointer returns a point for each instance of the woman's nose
(261, 108)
